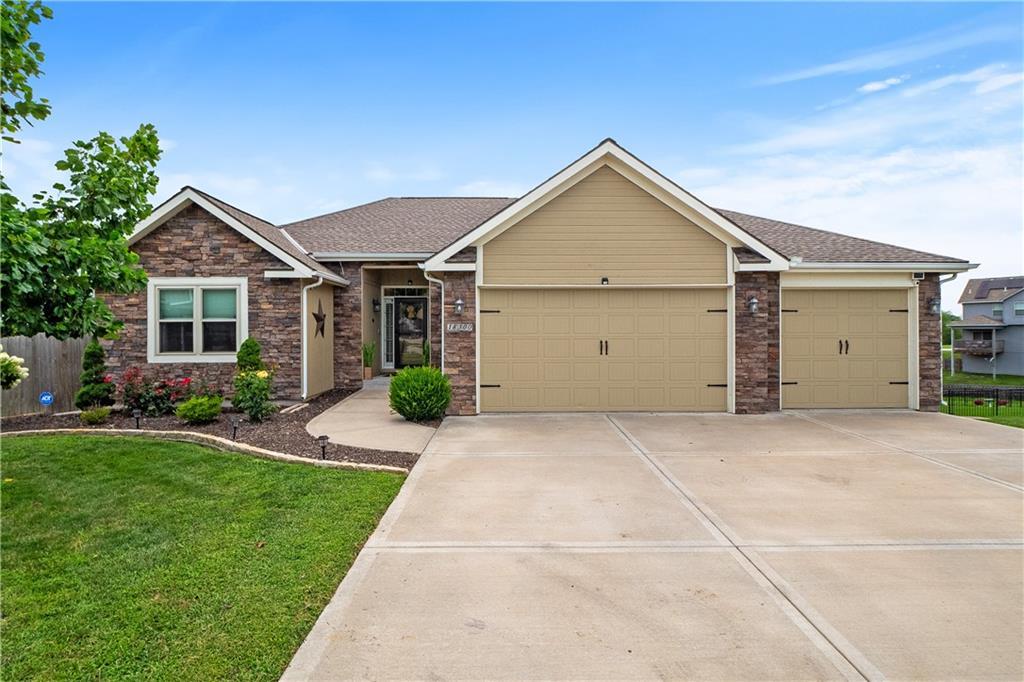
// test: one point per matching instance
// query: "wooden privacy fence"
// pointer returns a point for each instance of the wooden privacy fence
(53, 366)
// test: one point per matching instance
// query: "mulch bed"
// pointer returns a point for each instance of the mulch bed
(280, 432)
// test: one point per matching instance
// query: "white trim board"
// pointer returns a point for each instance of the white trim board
(611, 154)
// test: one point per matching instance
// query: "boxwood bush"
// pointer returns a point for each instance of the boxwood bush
(95, 416)
(420, 393)
(200, 409)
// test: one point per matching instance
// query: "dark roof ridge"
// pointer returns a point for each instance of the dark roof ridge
(340, 210)
(219, 200)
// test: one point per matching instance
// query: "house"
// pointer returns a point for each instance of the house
(607, 287)
(992, 326)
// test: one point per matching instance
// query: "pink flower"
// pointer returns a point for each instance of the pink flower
(108, 379)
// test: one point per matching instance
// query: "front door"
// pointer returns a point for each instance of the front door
(410, 331)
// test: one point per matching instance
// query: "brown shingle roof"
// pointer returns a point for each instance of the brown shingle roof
(395, 225)
(992, 289)
(820, 246)
(427, 224)
(977, 321)
(265, 229)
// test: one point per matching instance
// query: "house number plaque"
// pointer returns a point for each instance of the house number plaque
(459, 326)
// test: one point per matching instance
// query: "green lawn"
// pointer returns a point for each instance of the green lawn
(1016, 420)
(134, 558)
(983, 379)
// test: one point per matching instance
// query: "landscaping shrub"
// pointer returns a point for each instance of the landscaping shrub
(420, 393)
(369, 350)
(94, 416)
(97, 386)
(252, 394)
(199, 409)
(12, 371)
(249, 357)
(154, 399)
(426, 353)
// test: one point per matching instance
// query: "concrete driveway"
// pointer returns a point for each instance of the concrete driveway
(812, 545)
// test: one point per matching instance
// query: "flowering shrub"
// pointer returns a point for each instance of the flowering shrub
(252, 394)
(154, 399)
(12, 370)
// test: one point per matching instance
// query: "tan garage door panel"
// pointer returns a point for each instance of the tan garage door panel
(844, 348)
(541, 350)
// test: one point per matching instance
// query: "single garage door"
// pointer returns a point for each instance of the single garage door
(602, 350)
(844, 348)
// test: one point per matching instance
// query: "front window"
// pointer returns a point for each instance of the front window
(997, 311)
(196, 319)
(1018, 309)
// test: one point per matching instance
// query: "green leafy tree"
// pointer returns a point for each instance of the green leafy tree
(21, 58)
(948, 317)
(73, 242)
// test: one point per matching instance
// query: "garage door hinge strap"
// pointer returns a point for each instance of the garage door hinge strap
(899, 383)
(482, 312)
(790, 310)
(718, 385)
(899, 310)
(490, 385)
(790, 383)
(717, 310)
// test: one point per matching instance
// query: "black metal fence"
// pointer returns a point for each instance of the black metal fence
(983, 401)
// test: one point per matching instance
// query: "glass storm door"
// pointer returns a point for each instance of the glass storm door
(410, 331)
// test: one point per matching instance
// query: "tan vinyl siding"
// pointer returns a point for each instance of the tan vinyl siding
(605, 226)
(320, 349)
(371, 319)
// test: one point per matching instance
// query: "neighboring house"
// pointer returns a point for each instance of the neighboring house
(607, 287)
(993, 326)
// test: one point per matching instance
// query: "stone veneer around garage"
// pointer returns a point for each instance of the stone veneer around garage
(929, 346)
(194, 243)
(757, 343)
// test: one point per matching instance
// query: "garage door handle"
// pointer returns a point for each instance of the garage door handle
(840, 346)
(846, 351)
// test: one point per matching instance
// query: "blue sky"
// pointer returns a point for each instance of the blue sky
(901, 123)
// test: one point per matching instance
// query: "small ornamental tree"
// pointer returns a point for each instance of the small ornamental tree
(97, 386)
(248, 358)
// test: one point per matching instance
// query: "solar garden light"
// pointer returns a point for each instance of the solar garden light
(323, 446)
(137, 413)
(234, 428)
(752, 304)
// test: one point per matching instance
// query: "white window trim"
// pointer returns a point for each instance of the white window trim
(153, 313)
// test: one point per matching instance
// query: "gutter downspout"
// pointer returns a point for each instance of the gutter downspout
(441, 283)
(305, 335)
(952, 354)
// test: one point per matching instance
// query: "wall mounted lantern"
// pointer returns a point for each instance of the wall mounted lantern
(934, 305)
(460, 305)
(604, 280)
(376, 305)
(752, 304)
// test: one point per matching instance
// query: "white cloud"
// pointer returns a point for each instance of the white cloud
(878, 86)
(905, 52)
(490, 188)
(998, 82)
(980, 75)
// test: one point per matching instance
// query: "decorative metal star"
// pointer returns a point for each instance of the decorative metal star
(320, 316)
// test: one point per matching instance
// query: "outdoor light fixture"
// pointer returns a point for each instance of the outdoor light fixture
(752, 304)
(137, 413)
(409, 282)
(933, 305)
(460, 305)
(604, 280)
(323, 446)
(234, 428)
(376, 305)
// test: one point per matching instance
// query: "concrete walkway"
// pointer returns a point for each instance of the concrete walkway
(827, 545)
(364, 420)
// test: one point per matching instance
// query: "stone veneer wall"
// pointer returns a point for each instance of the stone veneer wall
(348, 327)
(196, 244)
(929, 349)
(460, 347)
(757, 343)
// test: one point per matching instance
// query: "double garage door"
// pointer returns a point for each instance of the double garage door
(603, 350)
(666, 349)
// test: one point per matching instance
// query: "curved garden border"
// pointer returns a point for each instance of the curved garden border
(215, 442)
